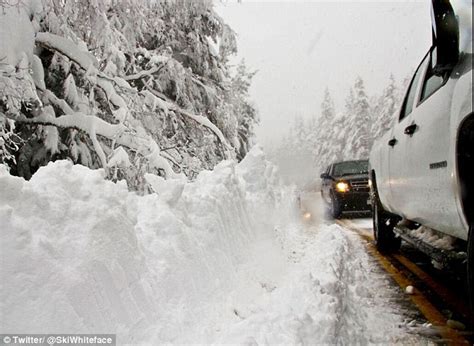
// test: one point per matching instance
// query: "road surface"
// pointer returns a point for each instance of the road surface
(439, 298)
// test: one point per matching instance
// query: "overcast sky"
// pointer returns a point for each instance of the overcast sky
(299, 48)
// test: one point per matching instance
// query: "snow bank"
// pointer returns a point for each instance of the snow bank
(80, 254)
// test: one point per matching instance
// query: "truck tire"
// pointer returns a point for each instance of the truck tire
(385, 239)
(336, 207)
(470, 265)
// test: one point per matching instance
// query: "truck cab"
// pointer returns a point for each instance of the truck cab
(344, 187)
(422, 169)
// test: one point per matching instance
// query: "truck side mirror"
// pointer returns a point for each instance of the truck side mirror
(445, 32)
(325, 176)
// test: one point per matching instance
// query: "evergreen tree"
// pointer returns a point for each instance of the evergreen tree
(359, 136)
(146, 81)
(339, 138)
(384, 114)
(325, 127)
(332, 137)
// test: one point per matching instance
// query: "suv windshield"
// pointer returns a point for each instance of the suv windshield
(350, 167)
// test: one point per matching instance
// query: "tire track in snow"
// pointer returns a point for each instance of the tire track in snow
(361, 289)
(363, 315)
(333, 293)
(401, 270)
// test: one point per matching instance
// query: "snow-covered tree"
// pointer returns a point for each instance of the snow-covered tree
(384, 110)
(358, 140)
(311, 145)
(324, 128)
(151, 78)
(237, 97)
(292, 154)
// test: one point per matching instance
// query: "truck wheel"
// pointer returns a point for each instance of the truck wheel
(385, 239)
(470, 265)
(336, 208)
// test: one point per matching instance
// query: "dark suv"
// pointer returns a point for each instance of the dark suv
(345, 187)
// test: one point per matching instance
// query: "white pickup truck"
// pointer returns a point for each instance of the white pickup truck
(422, 170)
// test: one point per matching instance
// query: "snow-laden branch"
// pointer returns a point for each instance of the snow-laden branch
(69, 49)
(91, 130)
(198, 118)
(207, 123)
(62, 104)
(90, 124)
(168, 104)
(143, 73)
(78, 121)
(93, 126)
(87, 62)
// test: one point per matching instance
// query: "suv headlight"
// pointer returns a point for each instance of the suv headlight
(342, 186)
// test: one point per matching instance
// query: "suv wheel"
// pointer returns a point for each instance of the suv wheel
(336, 207)
(385, 239)
(470, 265)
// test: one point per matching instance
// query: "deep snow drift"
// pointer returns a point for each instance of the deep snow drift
(83, 254)
(221, 259)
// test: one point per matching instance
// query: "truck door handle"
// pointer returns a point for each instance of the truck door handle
(392, 142)
(409, 130)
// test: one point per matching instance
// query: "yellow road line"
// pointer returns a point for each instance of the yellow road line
(442, 291)
(428, 310)
(450, 299)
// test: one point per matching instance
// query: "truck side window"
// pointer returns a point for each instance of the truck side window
(410, 97)
(432, 82)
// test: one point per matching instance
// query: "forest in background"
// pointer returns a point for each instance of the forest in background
(133, 87)
(331, 135)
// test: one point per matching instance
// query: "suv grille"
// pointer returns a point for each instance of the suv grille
(360, 184)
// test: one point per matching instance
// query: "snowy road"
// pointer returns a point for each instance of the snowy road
(439, 297)
(332, 292)
(162, 269)
(439, 294)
